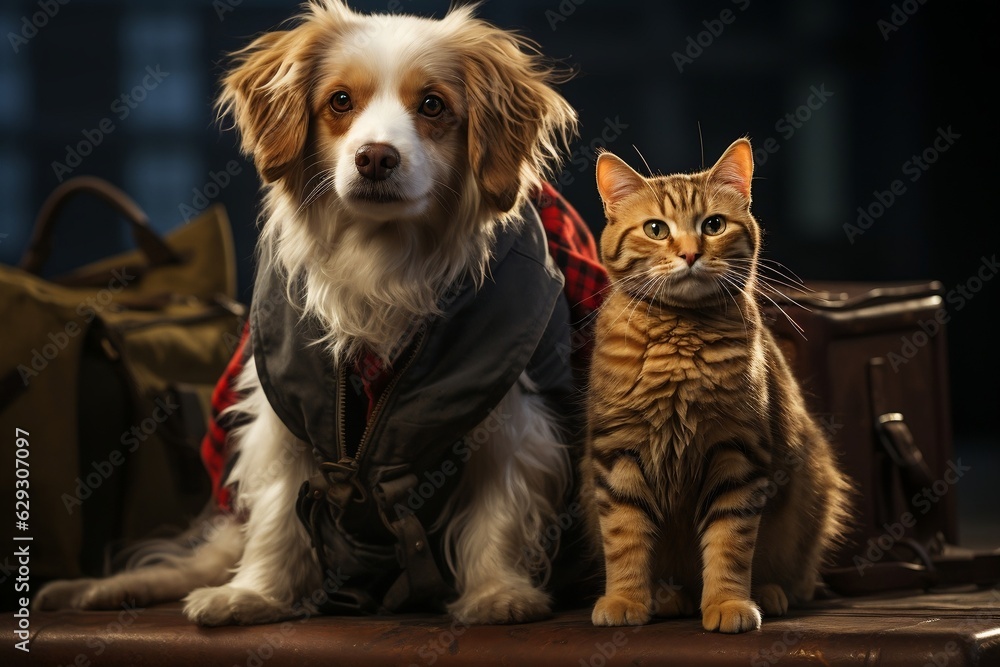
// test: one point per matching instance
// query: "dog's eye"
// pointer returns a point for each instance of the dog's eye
(432, 106)
(341, 102)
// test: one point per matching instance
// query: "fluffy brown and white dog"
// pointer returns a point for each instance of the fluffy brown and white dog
(392, 148)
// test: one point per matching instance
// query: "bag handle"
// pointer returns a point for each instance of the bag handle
(40, 247)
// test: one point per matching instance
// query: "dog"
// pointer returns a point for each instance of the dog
(395, 154)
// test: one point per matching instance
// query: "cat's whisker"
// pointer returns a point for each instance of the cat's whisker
(777, 266)
(784, 295)
(773, 285)
(763, 292)
(645, 289)
(795, 325)
(728, 279)
(690, 420)
(789, 288)
(612, 284)
(628, 303)
(792, 281)
(643, 158)
(765, 284)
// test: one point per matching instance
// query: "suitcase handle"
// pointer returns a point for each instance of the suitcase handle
(895, 435)
(896, 438)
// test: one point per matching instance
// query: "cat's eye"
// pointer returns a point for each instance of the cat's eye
(713, 226)
(340, 102)
(656, 229)
(432, 106)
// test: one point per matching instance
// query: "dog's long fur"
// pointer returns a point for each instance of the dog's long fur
(375, 255)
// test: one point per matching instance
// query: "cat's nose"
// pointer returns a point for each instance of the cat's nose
(691, 257)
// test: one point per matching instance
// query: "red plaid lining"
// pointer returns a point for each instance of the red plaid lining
(213, 444)
(574, 250)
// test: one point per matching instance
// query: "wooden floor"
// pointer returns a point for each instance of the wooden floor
(954, 628)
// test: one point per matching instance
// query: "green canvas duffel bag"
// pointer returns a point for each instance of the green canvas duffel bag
(106, 375)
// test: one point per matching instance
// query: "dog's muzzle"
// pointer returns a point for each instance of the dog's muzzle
(376, 161)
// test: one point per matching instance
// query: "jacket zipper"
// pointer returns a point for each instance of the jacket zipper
(377, 410)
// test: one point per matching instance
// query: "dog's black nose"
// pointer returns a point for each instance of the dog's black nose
(376, 161)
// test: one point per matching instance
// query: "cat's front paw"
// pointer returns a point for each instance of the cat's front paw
(227, 605)
(731, 616)
(617, 610)
(772, 599)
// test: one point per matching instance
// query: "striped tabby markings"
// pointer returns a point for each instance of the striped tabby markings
(682, 359)
(728, 517)
(628, 522)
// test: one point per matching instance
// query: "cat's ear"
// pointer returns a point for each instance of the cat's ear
(615, 179)
(735, 167)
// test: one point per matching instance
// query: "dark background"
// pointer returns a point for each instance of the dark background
(890, 90)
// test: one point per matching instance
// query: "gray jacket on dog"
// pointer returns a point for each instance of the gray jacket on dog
(370, 508)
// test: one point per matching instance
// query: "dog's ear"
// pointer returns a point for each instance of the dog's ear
(518, 123)
(266, 92)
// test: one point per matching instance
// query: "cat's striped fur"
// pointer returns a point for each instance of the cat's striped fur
(703, 466)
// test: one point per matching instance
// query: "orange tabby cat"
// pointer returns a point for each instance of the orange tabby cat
(703, 467)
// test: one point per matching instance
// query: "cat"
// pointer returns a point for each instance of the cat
(703, 470)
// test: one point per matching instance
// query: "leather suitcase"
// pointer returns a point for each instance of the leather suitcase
(873, 361)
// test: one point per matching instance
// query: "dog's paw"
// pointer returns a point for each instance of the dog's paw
(731, 616)
(62, 594)
(617, 610)
(772, 599)
(674, 604)
(501, 604)
(85, 594)
(227, 605)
